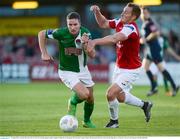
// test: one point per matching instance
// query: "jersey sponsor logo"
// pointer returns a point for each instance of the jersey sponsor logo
(72, 50)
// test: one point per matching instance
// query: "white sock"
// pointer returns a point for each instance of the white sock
(132, 100)
(114, 109)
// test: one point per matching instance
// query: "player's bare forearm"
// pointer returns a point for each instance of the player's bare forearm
(42, 41)
(92, 53)
(101, 20)
(172, 53)
(110, 39)
(89, 51)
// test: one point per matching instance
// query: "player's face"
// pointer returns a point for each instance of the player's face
(144, 14)
(126, 15)
(73, 26)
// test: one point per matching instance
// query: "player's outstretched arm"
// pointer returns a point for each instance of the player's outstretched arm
(42, 41)
(110, 39)
(101, 20)
(107, 40)
(172, 53)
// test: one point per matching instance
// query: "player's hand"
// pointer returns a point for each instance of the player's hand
(47, 58)
(85, 38)
(89, 49)
(94, 8)
(90, 46)
(142, 40)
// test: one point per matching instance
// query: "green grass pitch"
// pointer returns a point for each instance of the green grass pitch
(35, 109)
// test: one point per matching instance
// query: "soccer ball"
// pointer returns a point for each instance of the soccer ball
(68, 123)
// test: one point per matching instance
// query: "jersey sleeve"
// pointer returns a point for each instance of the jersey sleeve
(52, 34)
(128, 29)
(112, 24)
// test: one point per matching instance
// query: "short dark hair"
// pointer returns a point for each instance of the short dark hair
(73, 15)
(136, 9)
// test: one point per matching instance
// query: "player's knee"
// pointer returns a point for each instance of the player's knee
(110, 95)
(86, 95)
(121, 97)
(90, 99)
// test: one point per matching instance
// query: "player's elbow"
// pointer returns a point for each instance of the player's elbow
(103, 26)
(118, 37)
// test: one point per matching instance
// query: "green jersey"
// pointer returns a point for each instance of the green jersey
(164, 44)
(71, 55)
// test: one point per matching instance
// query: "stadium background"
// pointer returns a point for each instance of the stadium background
(20, 57)
(19, 44)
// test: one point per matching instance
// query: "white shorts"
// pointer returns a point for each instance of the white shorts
(124, 78)
(154, 69)
(70, 79)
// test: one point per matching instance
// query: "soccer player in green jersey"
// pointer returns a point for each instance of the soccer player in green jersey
(73, 69)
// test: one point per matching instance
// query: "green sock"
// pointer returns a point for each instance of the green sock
(166, 87)
(88, 109)
(74, 100)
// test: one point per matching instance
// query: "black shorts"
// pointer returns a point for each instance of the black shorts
(155, 57)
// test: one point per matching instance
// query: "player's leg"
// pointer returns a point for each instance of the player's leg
(72, 103)
(166, 87)
(146, 64)
(166, 83)
(88, 109)
(119, 91)
(155, 71)
(86, 79)
(79, 91)
(167, 76)
(128, 98)
(120, 96)
(113, 105)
